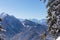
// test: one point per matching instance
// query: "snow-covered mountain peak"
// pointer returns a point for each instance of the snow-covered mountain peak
(2, 15)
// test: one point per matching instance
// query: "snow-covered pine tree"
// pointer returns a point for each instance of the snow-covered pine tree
(53, 18)
(1, 30)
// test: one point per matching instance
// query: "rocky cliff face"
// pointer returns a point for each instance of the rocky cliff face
(11, 24)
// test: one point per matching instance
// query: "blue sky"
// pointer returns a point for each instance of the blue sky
(26, 9)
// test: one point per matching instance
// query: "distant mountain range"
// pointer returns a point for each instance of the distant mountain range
(32, 32)
(41, 21)
(22, 29)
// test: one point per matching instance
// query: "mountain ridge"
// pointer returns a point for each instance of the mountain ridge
(26, 28)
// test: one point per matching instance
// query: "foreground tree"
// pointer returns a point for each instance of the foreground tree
(1, 30)
(53, 17)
